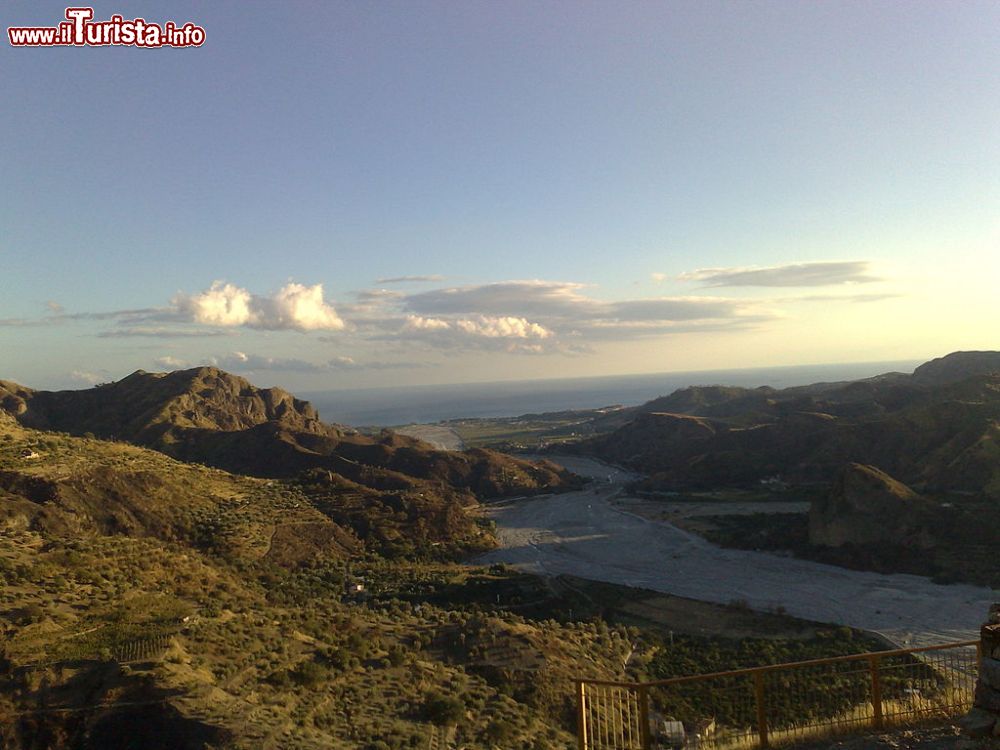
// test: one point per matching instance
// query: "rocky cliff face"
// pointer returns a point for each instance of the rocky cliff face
(866, 506)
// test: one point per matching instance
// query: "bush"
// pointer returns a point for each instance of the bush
(441, 710)
(499, 731)
(309, 674)
(397, 655)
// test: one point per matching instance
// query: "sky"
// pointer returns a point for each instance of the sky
(338, 194)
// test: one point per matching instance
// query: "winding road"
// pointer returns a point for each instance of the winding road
(585, 535)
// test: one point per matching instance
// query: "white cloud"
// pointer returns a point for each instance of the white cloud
(418, 323)
(532, 299)
(557, 317)
(219, 305)
(485, 332)
(792, 274)
(674, 308)
(481, 325)
(504, 327)
(293, 307)
(658, 278)
(88, 378)
(297, 306)
(171, 363)
(245, 362)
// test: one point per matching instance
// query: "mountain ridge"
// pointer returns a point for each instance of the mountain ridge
(937, 437)
(210, 416)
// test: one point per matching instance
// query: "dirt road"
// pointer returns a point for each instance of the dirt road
(584, 534)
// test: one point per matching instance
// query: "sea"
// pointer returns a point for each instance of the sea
(426, 404)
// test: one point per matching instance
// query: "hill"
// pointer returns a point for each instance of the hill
(207, 415)
(147, 602)
(903, 471)
(867, 506)
(939, 437)
(957, 366)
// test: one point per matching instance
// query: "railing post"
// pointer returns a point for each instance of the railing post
(878, 720)
(581, 716)
(644, 717)
(758, 689)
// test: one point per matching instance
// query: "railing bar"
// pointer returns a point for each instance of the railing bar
(616, 716)
(633, 709)
(633, 727)
(642, 697)
(594, 713)
(605, 719)
(789, 665)
(623, 710)
(633, 722)
(902, 686)
(599, 718)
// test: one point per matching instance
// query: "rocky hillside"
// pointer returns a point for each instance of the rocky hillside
(148, 407)
(146, 603)
(867, 506)
(957, 366)
(65, 487)
(213, 417)
(938, 437)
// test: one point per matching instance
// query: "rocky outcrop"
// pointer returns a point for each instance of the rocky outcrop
(14, 398)
(866, 506)
(145, 407)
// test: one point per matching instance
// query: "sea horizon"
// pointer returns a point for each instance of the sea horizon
(426, 404)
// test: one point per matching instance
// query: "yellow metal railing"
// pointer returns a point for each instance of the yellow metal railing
(779, 704)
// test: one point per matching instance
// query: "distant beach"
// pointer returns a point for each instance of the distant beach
(383, 407)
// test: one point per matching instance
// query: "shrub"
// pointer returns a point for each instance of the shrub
(499, 731)
(441, 710)
(309, 674)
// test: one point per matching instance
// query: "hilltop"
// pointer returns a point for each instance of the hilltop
(396, 493)
(150, 407)
(214, 417)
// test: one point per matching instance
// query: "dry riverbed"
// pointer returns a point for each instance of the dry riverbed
(588, 534)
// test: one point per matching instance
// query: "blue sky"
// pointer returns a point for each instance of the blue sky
(557, 175)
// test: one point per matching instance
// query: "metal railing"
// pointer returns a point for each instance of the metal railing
(779, 704)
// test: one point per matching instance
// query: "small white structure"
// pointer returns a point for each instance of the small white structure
(671, 733)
